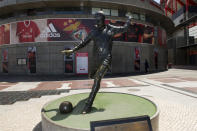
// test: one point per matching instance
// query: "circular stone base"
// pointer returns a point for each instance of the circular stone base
(106, 106)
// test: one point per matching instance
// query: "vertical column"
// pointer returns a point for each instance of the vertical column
(172, 7)
(187, 7)
(166, 8)
(176, 5)
(187, 4)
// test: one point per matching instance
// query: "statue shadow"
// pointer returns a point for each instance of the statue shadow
(77, 110)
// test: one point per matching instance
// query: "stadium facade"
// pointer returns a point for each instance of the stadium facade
(34, 32)
(182, 44)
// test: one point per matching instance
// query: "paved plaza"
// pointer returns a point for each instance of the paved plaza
(174, 91)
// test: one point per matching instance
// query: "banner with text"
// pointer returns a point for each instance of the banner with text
(69, 29)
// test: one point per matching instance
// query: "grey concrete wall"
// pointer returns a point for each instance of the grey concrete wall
(179, 33)
(171, 56)
(181, 57)
(123, 57)
(49, 60)
(178, 20)
(162, 59)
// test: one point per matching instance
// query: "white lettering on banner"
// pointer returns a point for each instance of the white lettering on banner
(50, 31)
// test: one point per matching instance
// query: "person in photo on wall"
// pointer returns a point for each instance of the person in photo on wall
(5, 61)
(27, 31)
(69, 67)
(32, 59)
(68, 62)
(146, 66)
(120, 36)
(148, 36)
(137, 59)
(1, 34)
(5, 34)
(164, 37)
(134, 33)
(102, 36)
(156, 59)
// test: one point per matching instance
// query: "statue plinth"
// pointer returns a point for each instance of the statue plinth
(106, 106)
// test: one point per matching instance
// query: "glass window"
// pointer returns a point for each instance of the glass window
(94, 10)
(106, 11)
(114, 12)
(43, 11)
(122, 13)
(135, 16)
(193, 33)
(142, 17)
(21, 61)
(31, 12)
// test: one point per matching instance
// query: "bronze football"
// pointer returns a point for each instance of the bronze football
(65, 107)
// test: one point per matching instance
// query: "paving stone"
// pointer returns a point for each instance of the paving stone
(177, 111)
(168, 80)
(14, 96)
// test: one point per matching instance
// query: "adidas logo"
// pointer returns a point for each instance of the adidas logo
(50, 32)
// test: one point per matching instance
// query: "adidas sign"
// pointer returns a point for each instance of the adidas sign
(50, 32)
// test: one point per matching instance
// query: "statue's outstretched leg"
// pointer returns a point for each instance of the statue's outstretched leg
(96, 86)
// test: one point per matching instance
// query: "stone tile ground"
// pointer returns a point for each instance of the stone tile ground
(178, 107)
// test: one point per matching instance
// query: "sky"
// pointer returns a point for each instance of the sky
(157, 1)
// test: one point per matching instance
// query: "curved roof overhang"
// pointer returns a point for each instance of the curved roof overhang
(157, 17)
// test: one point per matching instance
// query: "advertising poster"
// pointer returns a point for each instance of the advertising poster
(135, 33)
(28, 31)
(82, 63)
(31, 63)
(120, 36)
(156, 58)
(161, 37)
(148, 34)
(5, 34)
(5, 61)
(69, 29)
(164, 37)
(137, 59)
(69, 62)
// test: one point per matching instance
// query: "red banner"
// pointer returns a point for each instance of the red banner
(5, 34)
(27, 31)
(31, 59)
(5, 61)
(68, 29)
(137, 59)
